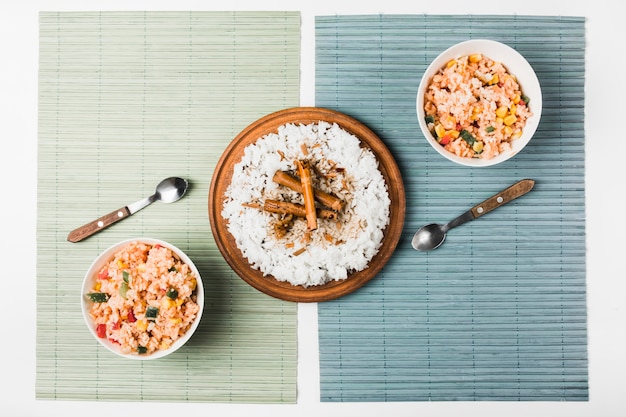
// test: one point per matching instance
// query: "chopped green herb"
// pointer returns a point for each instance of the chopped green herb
(172, 293)
(467, 137)
(152, 313)
(525, 98)
(490, 129)
(172, 269)
(126, 276)
(430, 119)
(98, 297)
(142, 349)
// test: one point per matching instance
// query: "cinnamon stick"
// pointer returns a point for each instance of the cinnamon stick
(299, 252)
(328, 200)
(251, 205)
(285, 207)
(308, 193)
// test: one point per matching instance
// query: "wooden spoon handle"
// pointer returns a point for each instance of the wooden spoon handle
(99, 224)
(516, 190)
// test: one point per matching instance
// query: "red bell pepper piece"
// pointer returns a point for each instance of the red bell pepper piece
(101, 330)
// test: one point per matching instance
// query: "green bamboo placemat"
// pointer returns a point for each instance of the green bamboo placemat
(125, 100)
(498, 312)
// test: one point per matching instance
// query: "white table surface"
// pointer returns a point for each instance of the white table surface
(605, 204)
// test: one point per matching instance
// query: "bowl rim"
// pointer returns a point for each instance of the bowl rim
(516, 64)
(103, 257)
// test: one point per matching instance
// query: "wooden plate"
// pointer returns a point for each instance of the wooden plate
(222, 178)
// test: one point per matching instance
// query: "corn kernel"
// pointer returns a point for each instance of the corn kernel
(141, 267)
(510, 119)
(513, 109)
(97, 287)
(193, 284)
(179, 302)
(476, 111)
(439, 130)
(165, 345)
(499, 121)
(451, 63)
(516, 98)
(167, 303)
(475, 57)
(142, 325)
(453, 133)
(501, 111)
(516, 135)
(494, 80)
(176, 320)
(477, 146)
(508, 131)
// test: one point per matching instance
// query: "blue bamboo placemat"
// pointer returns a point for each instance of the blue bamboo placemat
(498, 312)
(125, 100)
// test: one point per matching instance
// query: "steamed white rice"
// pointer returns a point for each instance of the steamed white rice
(338, 247)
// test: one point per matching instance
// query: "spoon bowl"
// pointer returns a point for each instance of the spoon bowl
(428, 237)
(171, 189)
(168, 191)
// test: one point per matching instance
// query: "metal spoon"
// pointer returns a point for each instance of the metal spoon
(168, 191)
(432, 235)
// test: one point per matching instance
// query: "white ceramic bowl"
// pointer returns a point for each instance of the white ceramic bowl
(92, 275)
(515, 64)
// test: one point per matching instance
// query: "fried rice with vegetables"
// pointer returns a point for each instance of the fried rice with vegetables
(475, 108)
(144, 299)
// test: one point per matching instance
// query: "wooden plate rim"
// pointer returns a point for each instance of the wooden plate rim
(222, 177)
